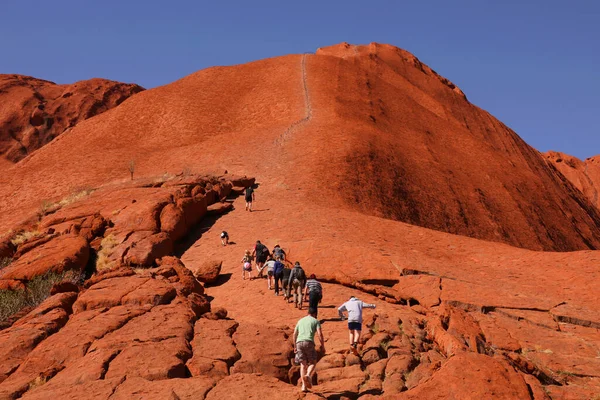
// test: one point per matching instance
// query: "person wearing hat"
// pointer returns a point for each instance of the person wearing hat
(314, 292)
(354, 308)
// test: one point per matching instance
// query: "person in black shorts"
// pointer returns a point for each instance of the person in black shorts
(262, 253)
(249, 197)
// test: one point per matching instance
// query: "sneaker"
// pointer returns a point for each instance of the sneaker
(308, 381)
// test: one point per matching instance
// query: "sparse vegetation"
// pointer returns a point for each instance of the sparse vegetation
(131, 167)
(103, 262)
(25, 237)
(48, 207)
(37, 290)
(385, 344)
(375, 328)
(5, 262)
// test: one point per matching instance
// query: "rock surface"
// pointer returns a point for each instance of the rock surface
(445, 165)
(35, 111)
(454, 314)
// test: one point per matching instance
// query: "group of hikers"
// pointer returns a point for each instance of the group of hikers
(282, 278)
(292, 281)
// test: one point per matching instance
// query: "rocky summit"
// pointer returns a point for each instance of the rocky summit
(370, 169)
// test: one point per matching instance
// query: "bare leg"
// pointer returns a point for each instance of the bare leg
(309, 372)
(356, 336)
(302, 373)
(351, 337)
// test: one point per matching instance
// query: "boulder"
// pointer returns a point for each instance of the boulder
(208, 271)
(172, 221)
(146, 251)
(62, 253)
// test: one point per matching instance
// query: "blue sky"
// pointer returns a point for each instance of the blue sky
(533, 64)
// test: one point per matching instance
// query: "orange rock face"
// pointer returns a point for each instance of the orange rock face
(35, 111)
(357, 150)
(382, 134)
(584, 175)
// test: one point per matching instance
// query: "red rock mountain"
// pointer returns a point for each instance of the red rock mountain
(381, 133)
(584, 175)
(347, 145)
(35, 111)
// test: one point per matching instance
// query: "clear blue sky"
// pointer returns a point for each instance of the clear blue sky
(534, 64)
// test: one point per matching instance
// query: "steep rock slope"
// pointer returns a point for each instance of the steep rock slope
(35, 111)
(366, 128)
(584, 175)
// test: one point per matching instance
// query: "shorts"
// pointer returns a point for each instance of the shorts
(247, 266)
(261, 260)
(355, 326)
(248, 199)
(306, 352)
(269, 271)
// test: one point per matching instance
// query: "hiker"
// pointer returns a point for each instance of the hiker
(354, 307)
(314, 292)
(278, 252)
(249, 197)
(224, 238)
(269, 265)
(278, 274)
(285, 277)
(296, 283)
(306, 353)
(262, 253)
(247, 265)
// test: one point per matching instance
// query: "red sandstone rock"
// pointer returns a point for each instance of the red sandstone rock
(60, 254)
(264, 349)
(467, 376)
(36, 111)
(208, 271)
(149, 249)
(584, 175)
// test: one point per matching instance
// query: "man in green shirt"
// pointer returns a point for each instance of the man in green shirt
(306, 354)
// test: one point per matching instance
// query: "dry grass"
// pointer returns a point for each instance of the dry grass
(104, 262)
(48, 207)
(37, 290)
(25, 237)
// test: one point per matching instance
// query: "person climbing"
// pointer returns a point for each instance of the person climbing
(296, 283)
(278, 252)
(314, 292)
(247, 265)
(249, 197)
(262, 253)
(354, 308)
(224, 238)
(269, 266)
(285, 276)
(278, 275)
(306, 353)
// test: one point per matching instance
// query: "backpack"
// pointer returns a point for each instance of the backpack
(299, 274)
(261, 250)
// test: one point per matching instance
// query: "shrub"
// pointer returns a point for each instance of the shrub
(25, 237)
(103, 262)
(37, 290)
